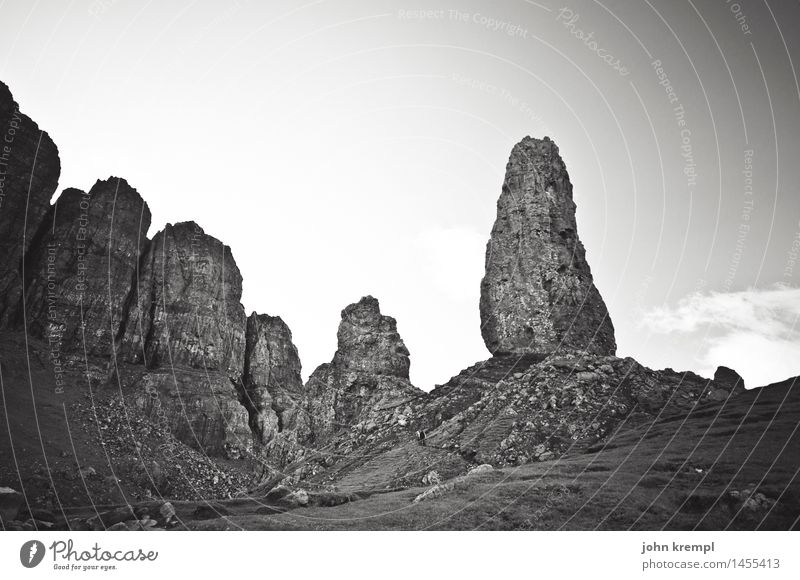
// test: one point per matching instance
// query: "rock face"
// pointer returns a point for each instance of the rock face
(186, 309)
(537, 295)
(272, 382)
(368, 342)
(82, 266)
(29, 171)
(367, 376)
(730, 377)
(187, 326)
(558, 405)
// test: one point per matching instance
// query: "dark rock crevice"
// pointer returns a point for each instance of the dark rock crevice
(272, 379)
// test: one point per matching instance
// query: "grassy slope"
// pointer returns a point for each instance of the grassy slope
(674, 474)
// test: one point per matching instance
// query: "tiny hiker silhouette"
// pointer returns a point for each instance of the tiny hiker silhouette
(421, 435)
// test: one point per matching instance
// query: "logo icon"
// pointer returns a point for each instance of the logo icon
(31, 553)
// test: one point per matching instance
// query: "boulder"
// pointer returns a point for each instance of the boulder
(166, 513)
(481, 469)
(284, 497)
(437, 490)
(10, 504)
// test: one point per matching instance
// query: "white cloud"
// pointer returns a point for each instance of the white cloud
(755, 330)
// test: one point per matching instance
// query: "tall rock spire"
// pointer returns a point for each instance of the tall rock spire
(537, 295)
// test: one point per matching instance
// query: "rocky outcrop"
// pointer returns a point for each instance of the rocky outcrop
(187, 326)
(367, 377)
(537, 295)
(730, 377)
(561, 404)
(186, 308)
(368, 342)
(272, 383)
(82, 266)
(29, 171)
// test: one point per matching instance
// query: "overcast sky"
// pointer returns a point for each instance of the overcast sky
(346, 148)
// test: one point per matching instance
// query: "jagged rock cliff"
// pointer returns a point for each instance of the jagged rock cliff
(273, 394)
(29, 170)
(537, 295)
(367, 376)
(272, 382)
(82, 266)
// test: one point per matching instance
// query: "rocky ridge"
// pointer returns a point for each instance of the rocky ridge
(161, 320)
